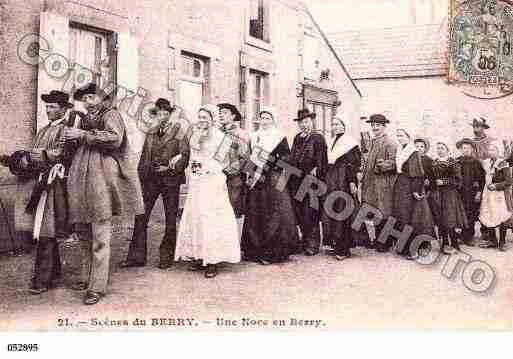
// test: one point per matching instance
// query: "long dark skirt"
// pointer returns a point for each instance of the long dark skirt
(449, 212)
(409, 211)
(269, 230)
(337, 232)
(237, 192)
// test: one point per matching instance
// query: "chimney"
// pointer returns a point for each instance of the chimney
(413, 11)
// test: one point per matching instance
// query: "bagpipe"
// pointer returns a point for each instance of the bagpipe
(20, 164)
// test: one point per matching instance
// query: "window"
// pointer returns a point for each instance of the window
(258, 95)
(192, 87)
(324, 115)
(258, 19)
(94, 50)
(192, 68)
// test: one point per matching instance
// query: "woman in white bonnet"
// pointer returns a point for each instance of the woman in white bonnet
(208, 232)
(269, 234)
(496, 203)
(344, 162)
(410, 206)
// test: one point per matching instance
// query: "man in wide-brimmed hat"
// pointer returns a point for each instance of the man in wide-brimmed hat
(229, 121)
(482, 142)
(473, 182)
(309, 153)
(164, 157)
(379, 174)
(481, 139)
(102, 183)
(41, 209)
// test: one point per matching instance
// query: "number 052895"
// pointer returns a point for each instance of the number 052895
(22, 347)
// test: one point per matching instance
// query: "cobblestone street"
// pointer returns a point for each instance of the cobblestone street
(370, 290)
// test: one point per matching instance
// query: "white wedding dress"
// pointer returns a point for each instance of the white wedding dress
(208, 229)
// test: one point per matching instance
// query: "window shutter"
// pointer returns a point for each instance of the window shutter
(54, 33)
(128, 82)
(128, 62)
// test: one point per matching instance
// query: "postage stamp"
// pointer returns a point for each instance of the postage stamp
(480, 49)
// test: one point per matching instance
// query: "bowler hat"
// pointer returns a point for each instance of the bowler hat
(378, 118)
(233, 110)
(62, 98)
(480, 122)
(163, 105)
(463, 141)
(305, 113)
(91, 88)
(425, 141)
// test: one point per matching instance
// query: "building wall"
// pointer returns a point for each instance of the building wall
(435, 109)
(161, 29)
(157, 26)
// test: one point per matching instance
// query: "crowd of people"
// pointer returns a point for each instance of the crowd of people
(78, 176)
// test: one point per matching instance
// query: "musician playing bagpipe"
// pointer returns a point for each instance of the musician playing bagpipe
(41, 208)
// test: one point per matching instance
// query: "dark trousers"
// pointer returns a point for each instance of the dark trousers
(449, 233)
(308, 219)
(472, 212)
(344, 242)
(492, 235)
(137, 251)
(467, 234)
(389, 240)
(47, 266)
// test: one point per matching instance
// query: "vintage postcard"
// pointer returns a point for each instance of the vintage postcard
(480, 46)
(242, 165)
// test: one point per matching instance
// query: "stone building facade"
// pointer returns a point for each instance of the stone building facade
(249, 53)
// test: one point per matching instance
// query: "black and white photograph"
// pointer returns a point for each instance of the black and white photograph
(306, 166)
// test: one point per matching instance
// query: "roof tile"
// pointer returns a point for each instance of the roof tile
(406, 51)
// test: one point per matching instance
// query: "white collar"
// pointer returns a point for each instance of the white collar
(344, 144)
(57, 122)
(498, 164)
(403, 153)
(264, 142)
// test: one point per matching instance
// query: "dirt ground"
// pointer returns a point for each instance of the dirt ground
(368, 291)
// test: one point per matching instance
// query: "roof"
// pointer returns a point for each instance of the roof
(332, 49)
(406, 51)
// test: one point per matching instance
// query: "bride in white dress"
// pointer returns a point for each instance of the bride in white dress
(208, 232)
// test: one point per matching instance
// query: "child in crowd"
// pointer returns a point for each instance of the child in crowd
(473, 181)
(496, 204)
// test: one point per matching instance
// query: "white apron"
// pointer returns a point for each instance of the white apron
(494, 210)
(208, 229)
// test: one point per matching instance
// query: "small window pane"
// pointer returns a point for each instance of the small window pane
(256, 19)
(187, 66)
(197, 68)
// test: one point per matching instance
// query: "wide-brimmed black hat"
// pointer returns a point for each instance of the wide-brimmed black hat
(91, 88)
(378, 118)
(163, 105)
(233, 110)
(305, 113)
(424, 140)
(62, 98)
(463, 141)
(480, 122)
